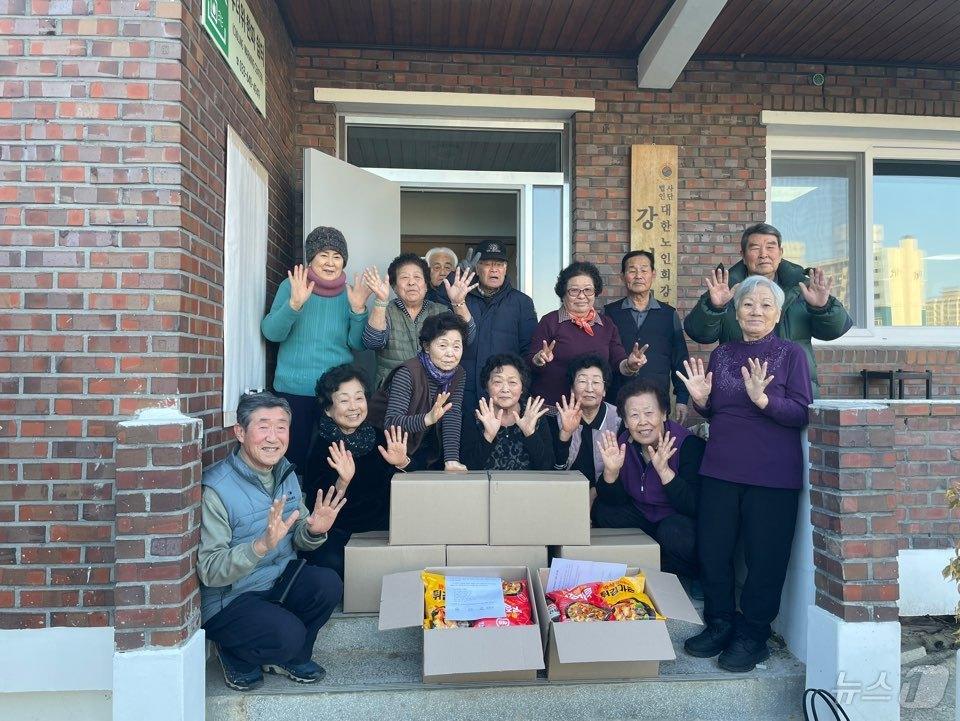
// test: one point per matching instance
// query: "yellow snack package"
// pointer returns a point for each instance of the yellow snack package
(628, 600)
(435, 602)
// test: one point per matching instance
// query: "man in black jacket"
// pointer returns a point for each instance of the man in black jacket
(641, 318)
(505, 318)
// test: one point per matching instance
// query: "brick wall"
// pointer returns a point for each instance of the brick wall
(928, 463)
(113, 119)
(712, 113)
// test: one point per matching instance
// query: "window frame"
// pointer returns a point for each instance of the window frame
(870, 137)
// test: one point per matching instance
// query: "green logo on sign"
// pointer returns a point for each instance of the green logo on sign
(217, 22)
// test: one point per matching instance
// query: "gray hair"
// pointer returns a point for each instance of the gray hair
(253, 401)
(434, 251)
(750, 284)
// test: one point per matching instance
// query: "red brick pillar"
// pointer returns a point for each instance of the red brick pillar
(158, 529)
(854, 501)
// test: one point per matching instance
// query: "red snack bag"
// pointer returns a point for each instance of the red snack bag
(516, 602)
(581, 603)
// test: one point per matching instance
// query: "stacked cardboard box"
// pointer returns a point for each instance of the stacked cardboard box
(615, 545)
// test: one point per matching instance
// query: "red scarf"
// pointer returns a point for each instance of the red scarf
(326, 288)
(584, 322)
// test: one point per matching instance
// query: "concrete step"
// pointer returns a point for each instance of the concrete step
(374, 675)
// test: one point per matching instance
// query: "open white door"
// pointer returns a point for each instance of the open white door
(364, 206)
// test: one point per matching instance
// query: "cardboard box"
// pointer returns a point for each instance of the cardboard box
(368, 558)
(539, 508)
(431, 507)
(608, 650)
(465, 655)
(635, 548)
(533, 557)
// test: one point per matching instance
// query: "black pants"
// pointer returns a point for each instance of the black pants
(305, 411)
(253, 631)
(766, 519)
(676, 534)
(330, 554)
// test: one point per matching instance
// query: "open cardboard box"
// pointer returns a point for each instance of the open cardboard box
(608, 650)
(465, 655)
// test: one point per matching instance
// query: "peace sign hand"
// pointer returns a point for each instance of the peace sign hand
(534, 411)
(545, 354)
(439, 409)
(637, 358)
(698, 383)
(277, 528)
(490, 418)
(396, 451)
(325, 511)
(756, 381)
(300, 290)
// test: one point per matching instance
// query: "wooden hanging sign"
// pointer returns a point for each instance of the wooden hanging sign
(653, 212)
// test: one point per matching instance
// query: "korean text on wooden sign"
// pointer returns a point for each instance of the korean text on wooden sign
(653, 213)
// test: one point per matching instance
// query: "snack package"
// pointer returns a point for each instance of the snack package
(581, 604)
(627, 599)
(434, 602)
(516, 601)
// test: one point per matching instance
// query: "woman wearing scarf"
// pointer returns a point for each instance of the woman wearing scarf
(651, 476)
(316, 319)
(577, 328)
(424, 396)
(510, 431)
(352, 455)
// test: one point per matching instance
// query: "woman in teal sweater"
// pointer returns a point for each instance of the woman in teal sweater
(317, 319)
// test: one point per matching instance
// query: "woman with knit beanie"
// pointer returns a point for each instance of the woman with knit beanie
(317, 319)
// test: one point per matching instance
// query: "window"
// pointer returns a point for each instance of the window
(875, 202)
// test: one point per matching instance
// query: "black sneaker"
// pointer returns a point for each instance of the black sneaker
(240, 680)
(711, 640)
(743, 654)
(308, 672)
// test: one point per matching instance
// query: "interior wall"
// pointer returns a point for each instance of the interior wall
(443, 213)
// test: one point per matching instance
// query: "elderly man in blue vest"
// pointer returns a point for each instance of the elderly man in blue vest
(260, 604)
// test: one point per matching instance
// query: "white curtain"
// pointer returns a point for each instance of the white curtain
(244, 275)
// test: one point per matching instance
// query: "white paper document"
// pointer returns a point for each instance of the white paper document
(565, 573)
(471, 597)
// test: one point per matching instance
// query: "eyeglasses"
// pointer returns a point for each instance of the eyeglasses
(580, 292)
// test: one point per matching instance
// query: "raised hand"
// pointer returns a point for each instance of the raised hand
(817, 291)
(570, 415)
(756, 380)
(682, 412)
(545, 354)
(534, 411)
(720, 291)
(470, 261)
(358, 293)
(612, 454)
(325, 511)
(660, 458)
(637, 358)
(396, 451)
(698, 382)
(439, 409)
(458, 290)
(277, 528)
(490, 418)
(341, 460)
(377, 285)
(300, 289)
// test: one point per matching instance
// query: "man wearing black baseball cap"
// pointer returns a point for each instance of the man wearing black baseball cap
(505, 316)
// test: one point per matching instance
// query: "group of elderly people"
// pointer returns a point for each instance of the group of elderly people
(467, 378)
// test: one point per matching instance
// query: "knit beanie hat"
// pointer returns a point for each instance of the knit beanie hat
(324, 238)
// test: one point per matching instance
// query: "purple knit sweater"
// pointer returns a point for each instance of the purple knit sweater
(749, 445)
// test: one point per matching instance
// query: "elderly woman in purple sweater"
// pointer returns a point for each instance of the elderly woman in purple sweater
(577, 328)
(755, 393)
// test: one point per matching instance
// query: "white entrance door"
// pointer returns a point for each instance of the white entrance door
(365, 207)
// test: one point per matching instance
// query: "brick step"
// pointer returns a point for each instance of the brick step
(372, 674)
